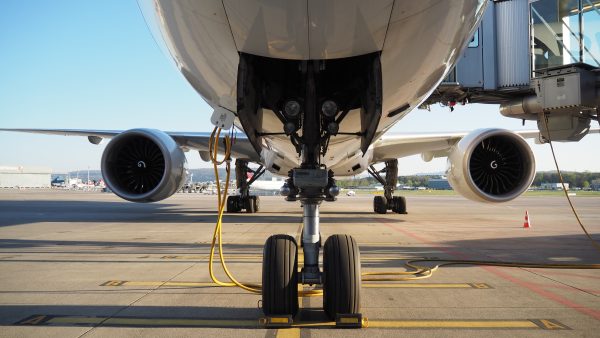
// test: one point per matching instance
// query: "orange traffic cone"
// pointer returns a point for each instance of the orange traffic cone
(527, 224)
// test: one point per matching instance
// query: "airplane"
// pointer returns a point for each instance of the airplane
(314, 86)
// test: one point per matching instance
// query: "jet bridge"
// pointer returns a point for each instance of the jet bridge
(536, 58)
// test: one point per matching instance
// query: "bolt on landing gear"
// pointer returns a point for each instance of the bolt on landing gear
(381, 204)
(244, 201)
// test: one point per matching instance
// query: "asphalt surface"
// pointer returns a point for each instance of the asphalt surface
(78, 264)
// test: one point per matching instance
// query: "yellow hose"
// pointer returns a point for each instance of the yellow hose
(218, 234)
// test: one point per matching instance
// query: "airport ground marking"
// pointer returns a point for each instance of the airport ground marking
(400, 285)
(294, 330)
(453, 252)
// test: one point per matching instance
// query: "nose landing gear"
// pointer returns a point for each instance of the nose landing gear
(312, 184)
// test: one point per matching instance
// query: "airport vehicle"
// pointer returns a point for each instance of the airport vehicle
(315, 85)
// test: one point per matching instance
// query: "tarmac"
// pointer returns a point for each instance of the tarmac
(76, 264)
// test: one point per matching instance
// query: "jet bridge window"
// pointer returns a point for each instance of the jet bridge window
(564, 32)
(474, 43)
(591, 32)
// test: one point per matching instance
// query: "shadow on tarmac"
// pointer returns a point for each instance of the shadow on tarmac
(36, 211)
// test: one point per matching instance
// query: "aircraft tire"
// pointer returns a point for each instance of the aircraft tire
(399, 204)
(233, 204)
(380, 204)
(249, 205)
(341, 276)
(280, 276)
(256, 201)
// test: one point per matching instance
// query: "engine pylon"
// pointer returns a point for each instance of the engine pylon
(527, 223)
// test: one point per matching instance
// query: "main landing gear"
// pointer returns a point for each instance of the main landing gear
(381, 204)
(244, 201)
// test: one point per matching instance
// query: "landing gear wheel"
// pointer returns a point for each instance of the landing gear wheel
(233, 204)
(256, 202)
(380, 204)
(249, 205)
(399, 204)
(341, 276)
(280, 276)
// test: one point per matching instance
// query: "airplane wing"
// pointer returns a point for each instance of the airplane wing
(428, 145)
(241, 147)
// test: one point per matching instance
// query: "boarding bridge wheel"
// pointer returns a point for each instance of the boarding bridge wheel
(380, 204)
(280, 276)
(341, 276)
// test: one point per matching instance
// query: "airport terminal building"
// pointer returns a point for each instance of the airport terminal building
(25, 177)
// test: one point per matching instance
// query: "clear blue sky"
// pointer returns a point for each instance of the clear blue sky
(94, 65)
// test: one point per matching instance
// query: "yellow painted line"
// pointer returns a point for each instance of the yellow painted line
(153, 321)
(181, 322)
(364, 285)
(454, 324)
(292, 332)
(177, 284)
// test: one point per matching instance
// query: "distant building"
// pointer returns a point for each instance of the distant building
(438, 184)
(25, 177)
(595, 185)
(553, 186)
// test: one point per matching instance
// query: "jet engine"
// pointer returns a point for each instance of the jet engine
(143, 165)
(491, 165)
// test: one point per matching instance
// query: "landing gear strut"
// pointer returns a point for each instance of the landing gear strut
(381, 204)
(244, 201)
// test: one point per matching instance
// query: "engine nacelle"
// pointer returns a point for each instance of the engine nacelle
(491, 165)
(144, 165)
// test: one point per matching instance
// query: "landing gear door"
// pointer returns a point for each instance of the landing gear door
(370, 111)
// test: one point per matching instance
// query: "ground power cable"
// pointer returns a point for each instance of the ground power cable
(218, 233)
(562, 182)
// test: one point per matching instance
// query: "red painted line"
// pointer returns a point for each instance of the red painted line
(567, 288)
(531, 286)
(578, 275)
